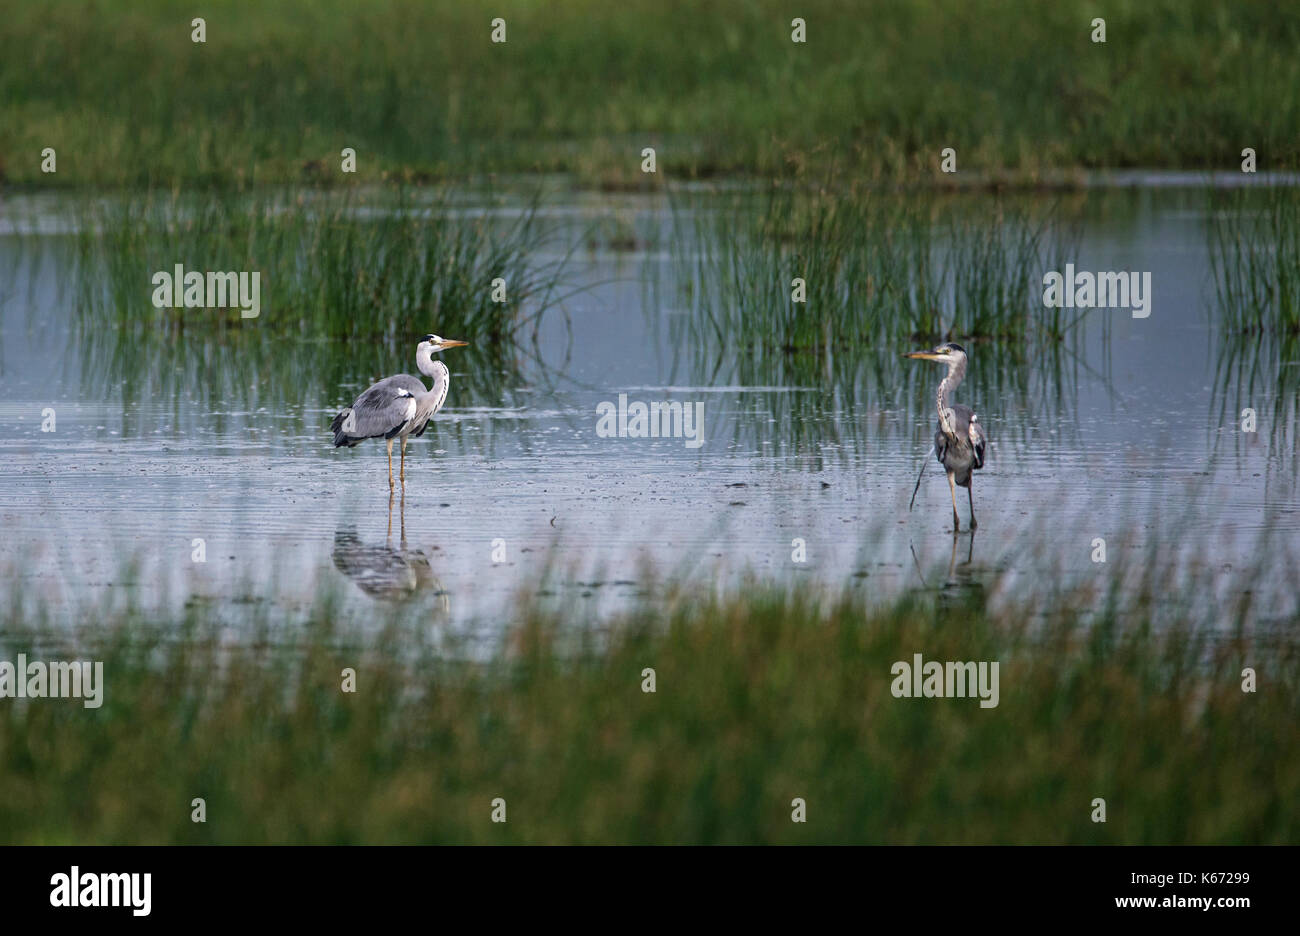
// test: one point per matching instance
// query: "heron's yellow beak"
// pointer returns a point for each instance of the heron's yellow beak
(449, 343)
(922, 355)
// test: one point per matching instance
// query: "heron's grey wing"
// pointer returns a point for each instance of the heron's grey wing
(382, 410)
(968, 427)
(977, 440)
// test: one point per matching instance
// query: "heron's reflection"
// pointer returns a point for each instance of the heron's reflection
(384, 572)
(962, 587)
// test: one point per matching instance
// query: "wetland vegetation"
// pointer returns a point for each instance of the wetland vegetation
(518, 164)
(760, 698)
(420, 91)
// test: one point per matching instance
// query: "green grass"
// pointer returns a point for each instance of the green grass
(419, 91)
(345, 266)
(349, 281)
(761, 697)
(1254, 245)
(1251, 368)
(875, 267)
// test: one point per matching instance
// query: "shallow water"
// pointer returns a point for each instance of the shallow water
(1130, 435)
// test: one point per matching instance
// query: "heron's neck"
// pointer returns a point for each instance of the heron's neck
(943, 399)
(424, 360)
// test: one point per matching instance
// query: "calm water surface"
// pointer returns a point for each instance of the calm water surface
(1131, 435)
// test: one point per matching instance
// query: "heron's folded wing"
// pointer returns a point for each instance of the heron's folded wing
(382, 410)
(976, 432)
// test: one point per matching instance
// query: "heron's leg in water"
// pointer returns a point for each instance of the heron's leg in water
(390, 464)
(970, 494)
(952, 486)
(403, 460)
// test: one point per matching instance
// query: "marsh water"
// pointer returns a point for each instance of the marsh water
(1129, 432)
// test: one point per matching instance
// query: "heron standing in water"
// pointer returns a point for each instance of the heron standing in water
(959, 440)
(398, 407)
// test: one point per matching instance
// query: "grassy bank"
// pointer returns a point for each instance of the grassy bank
(760, 698)
(419, 90)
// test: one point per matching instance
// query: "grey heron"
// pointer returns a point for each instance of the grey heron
(398, 407)
(959, 440)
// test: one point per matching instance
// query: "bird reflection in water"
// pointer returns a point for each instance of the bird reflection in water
(384, 572)
(962, 589)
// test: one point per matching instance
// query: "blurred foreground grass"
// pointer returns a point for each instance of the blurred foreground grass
(419, 90)
(761, 697)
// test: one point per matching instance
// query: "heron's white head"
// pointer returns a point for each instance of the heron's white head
(950, 353)
(433, 344)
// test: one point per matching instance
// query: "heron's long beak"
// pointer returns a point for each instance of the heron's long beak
(449, 343)
(922, 355)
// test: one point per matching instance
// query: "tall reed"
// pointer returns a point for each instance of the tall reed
(1254, 238)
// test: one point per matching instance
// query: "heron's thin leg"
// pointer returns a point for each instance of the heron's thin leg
(952, 486)
(403, 461)
(970, 494)
(390, 464)
(390, 515)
